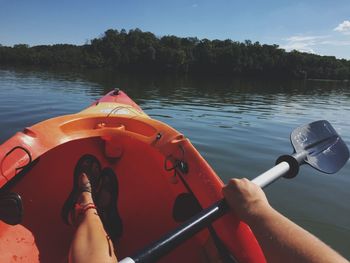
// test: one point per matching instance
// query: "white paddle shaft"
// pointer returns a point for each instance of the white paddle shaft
(271, 175)
(127, 260)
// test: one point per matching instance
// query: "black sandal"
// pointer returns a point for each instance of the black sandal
(89, 165)
(107, 209)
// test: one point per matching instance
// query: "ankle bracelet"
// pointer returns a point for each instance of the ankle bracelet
(82, 208)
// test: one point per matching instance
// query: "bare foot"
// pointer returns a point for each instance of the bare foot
(85, 190)
(86, 183)
(85, 203)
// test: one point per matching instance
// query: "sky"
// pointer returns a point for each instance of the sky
(320, 27)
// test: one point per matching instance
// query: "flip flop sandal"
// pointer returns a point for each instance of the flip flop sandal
(89, 165)
(107, 199)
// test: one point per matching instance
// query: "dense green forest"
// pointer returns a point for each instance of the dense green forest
(138, 51)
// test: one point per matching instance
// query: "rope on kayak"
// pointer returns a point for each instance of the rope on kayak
(177, 163)
(18, 168)
(181, 165)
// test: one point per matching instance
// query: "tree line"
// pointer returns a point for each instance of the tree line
(138, 51)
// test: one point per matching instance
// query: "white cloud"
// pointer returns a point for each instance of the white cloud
(319, 44)
(338, 43)
(330, 44)
(343, 27)
(303, 43)
(304, 38)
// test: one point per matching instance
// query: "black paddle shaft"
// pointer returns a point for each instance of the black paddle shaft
(192, 226)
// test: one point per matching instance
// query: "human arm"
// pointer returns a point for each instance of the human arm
(280, 239)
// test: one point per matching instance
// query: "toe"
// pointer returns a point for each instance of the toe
(84, 183)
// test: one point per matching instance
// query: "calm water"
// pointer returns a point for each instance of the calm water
(239, 126)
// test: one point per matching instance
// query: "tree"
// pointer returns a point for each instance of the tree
(136, 50)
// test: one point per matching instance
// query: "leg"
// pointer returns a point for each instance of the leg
(91, 242)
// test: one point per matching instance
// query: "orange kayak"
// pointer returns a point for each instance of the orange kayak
(159, 173)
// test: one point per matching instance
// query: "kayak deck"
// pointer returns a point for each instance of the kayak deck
(143, 154)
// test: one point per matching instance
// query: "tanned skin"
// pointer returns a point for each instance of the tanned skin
(280, 239)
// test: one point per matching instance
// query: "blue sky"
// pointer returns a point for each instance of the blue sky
(321, 27)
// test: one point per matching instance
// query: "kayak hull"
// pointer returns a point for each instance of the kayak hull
(144, 155)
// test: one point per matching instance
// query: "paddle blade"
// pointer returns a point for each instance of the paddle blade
(324, 148)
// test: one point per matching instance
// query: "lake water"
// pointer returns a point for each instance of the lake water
(239, 126)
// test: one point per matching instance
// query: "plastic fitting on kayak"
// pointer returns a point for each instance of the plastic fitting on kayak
(183, 166)
(293, 164)
(116, 91)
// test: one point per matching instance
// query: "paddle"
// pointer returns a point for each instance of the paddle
(316, 144)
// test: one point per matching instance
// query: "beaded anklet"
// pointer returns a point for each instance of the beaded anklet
(81, 209)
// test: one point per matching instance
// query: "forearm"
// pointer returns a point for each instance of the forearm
(284, 241)
(280, 239)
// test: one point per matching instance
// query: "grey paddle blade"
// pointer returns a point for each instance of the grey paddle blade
(326, 151)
